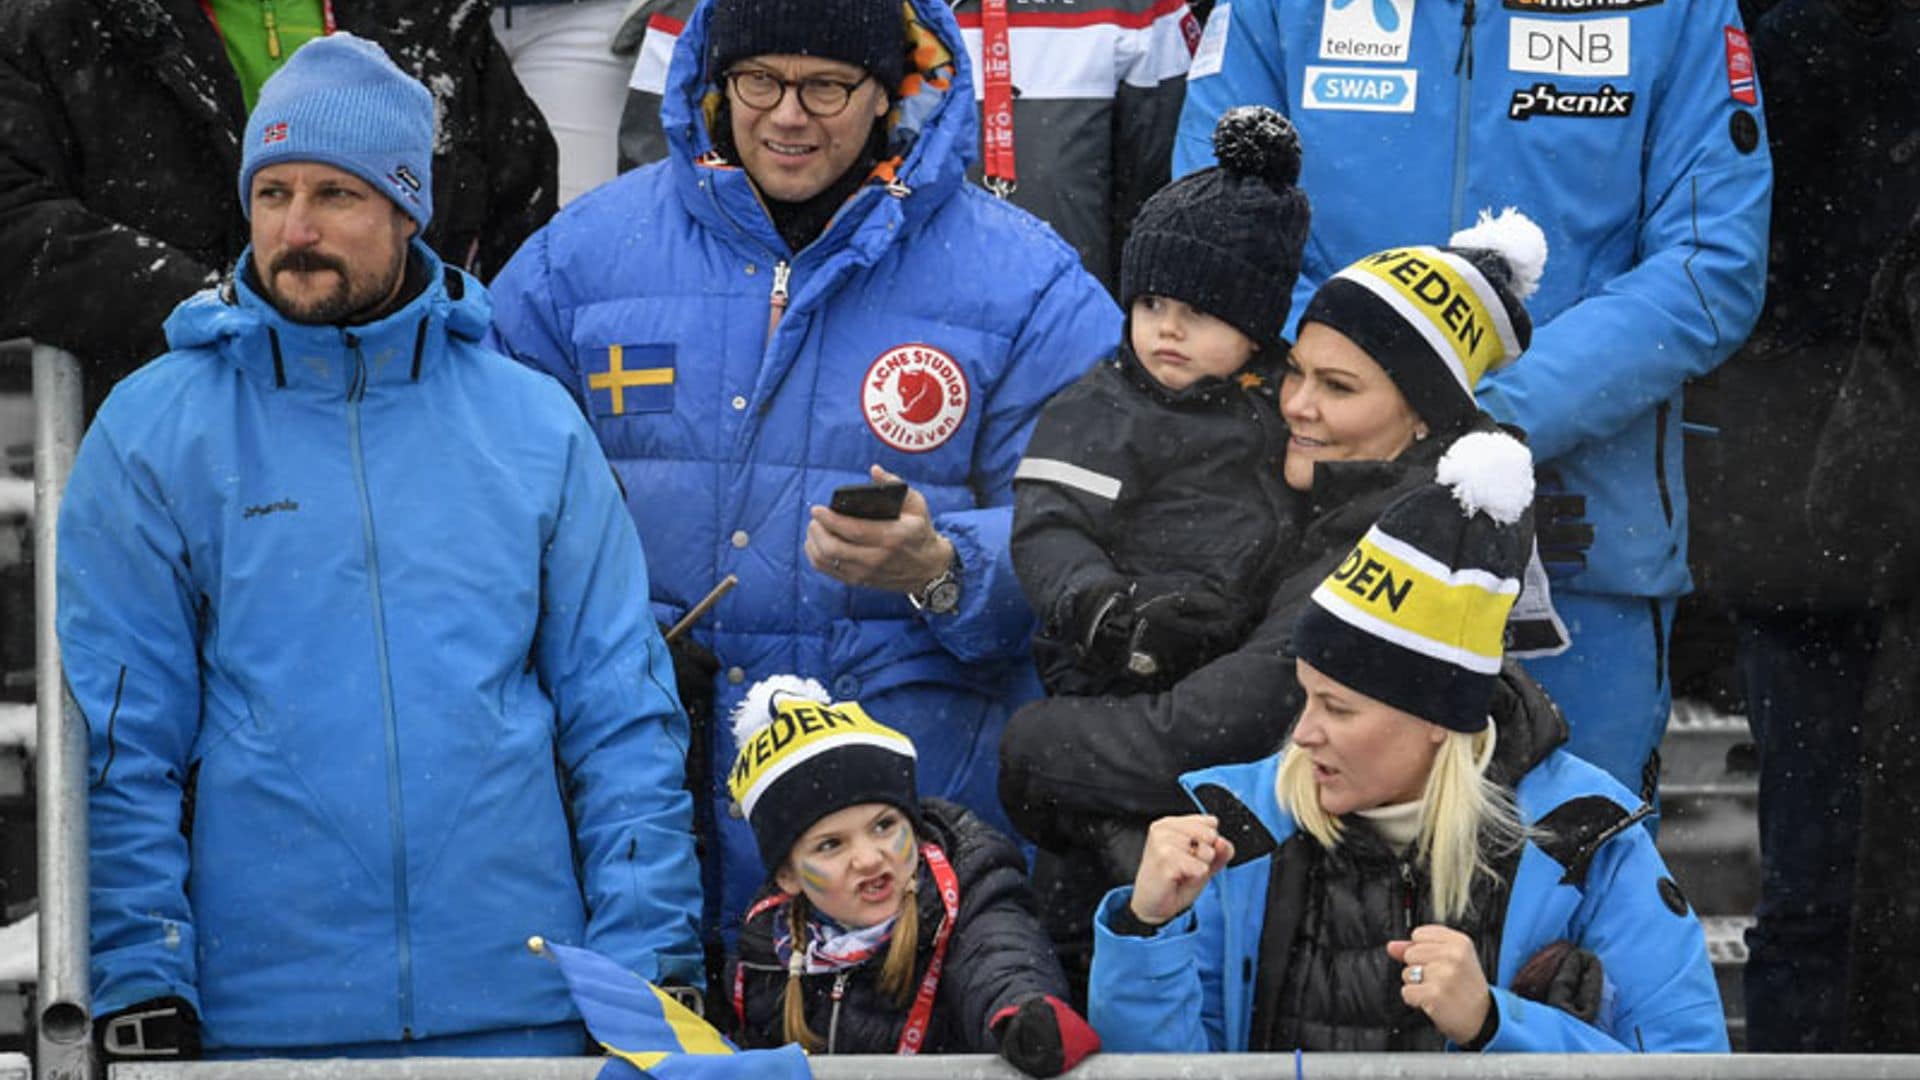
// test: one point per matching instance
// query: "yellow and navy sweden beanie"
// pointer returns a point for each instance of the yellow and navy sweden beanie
(1416, 615)
(803, 757)
(1437, 319)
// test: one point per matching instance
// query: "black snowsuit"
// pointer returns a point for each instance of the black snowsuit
(120, 127)
(1083, 776)
(997, 956)
(1190, 500)
(1865, 499)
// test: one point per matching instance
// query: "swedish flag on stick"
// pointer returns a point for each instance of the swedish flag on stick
(649, 1034)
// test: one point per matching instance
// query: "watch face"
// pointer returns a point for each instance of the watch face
(944, 598)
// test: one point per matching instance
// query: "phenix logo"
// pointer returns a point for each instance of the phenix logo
(1545, 99)
(1384, 13)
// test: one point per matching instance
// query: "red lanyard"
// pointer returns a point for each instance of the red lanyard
(921, 1014)
(996, 64)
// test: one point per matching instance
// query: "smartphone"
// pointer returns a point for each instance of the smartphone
(880, 500)
(1238, 824)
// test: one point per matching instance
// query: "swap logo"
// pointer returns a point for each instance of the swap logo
(1356, 89)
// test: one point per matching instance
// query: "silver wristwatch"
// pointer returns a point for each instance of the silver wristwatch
(941, 596)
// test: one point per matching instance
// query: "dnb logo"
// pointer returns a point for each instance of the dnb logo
(914, 397)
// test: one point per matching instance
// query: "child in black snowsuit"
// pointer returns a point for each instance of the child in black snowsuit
(1151, 519)
(891, 924)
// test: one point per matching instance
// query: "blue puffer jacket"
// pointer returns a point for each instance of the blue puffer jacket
(1626, 129)
(922, 331)
(1591, 876)
(371, 599)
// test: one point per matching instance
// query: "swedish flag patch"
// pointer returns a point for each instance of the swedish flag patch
(627, 379)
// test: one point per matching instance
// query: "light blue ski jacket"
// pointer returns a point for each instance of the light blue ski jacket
(368, 600)
(1631, 130)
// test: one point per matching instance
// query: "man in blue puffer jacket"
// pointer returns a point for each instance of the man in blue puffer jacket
(807, 289)
(357, 622)
(1633, 128)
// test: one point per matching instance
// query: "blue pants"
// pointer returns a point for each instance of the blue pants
(1612, 683)
(1805, 677)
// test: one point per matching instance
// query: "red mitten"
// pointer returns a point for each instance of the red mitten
(1043, 1036)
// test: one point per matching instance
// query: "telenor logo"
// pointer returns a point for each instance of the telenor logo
(1360, 89)
(1385, 14)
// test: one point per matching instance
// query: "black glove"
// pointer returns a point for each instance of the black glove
(693, 670)
(157, 1029)
(1043, 1036)
(1175, 633)
(1565, 976)
(1560, 525)
(1102, 624)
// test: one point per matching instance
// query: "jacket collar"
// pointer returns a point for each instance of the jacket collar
(934, 169)
(403, 347)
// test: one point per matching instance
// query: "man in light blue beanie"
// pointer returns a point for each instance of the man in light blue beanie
(361, 627)
(338, 106)
(340, 101)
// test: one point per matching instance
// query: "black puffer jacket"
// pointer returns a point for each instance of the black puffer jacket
(996, 956)
(120, 125)
(1194, 502)
(1325, 980)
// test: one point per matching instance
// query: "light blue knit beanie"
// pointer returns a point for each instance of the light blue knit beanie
(340, 101)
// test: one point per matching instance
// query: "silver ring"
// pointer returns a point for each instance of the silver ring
(1417, 974)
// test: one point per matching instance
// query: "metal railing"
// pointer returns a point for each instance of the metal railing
(1122, 1067)
(63, 1045)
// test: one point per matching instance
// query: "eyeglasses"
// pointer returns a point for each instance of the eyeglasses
(819, 97)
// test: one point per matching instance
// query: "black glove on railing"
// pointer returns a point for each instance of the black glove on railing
(157, 1029)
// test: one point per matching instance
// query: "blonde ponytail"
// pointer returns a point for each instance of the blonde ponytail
(794, 999)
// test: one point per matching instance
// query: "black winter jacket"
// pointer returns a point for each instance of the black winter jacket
(1161, 492)
(996, 957)
(120, 126)
(1866, 496)
(1844, 126)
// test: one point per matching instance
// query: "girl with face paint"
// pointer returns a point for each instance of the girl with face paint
(888, 923)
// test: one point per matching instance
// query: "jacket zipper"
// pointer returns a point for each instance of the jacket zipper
(833, 1018)
(777, 301)
(356, 392)
(1406, 898)
(1463, 67)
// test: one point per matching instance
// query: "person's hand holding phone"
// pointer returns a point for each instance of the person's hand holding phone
(1181, 856)
(897, 554)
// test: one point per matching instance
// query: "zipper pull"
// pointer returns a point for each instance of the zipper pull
(777, 302)
(1406, 886)
(839, 987)
(270, 21)
(1465, 59)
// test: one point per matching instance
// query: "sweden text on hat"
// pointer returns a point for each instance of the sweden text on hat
(803, 756)
(1416, 614)
(340, 101)
(1437, 319)
(1227, 240)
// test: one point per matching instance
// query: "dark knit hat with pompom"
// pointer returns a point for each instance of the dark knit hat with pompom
(1227, 240)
